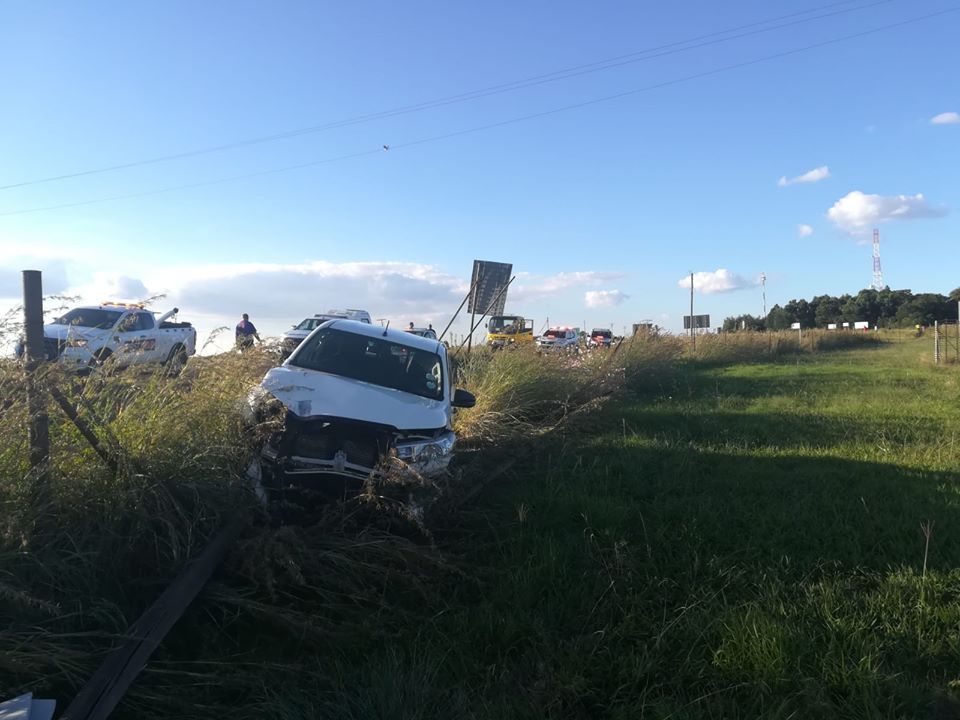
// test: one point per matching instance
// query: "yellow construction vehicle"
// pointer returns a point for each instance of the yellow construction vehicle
(504, 330)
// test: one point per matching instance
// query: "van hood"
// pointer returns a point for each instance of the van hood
(308, 393)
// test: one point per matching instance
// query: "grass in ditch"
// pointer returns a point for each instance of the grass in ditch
(773, 539)
(722, 539)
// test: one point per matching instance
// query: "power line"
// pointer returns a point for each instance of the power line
(501, 123)
(554, 76)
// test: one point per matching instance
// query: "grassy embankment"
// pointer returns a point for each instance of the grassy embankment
(720, 540)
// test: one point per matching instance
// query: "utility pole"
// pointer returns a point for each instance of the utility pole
(693, 336)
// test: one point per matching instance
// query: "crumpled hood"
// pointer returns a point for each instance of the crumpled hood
(306, 393)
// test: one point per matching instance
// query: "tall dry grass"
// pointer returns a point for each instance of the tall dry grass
(723, 348)
(77, 568)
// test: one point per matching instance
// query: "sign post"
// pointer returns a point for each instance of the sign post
(488, 294)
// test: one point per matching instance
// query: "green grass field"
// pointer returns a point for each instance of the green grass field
(744, 542)
(754, 532)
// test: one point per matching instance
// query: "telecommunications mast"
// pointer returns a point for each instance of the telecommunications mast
(763, 289)
(877, 272)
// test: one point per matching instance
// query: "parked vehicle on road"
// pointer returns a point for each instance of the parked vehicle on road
(356, 401)
(296, 335)
(559, 339)
(123, 333)
(600, 338)
(503, 330)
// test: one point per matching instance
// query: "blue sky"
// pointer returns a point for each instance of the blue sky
(620, 198)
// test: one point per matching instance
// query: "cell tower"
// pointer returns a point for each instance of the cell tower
(877, 272)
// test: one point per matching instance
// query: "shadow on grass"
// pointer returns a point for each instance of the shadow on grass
(627, 581)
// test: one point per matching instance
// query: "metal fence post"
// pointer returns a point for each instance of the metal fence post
(936, 343)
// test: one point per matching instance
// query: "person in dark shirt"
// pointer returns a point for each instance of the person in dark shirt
(245, 333)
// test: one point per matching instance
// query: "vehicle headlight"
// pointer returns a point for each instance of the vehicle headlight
(425, 451)
(258, 405)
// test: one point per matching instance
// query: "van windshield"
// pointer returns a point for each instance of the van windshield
(374, 360)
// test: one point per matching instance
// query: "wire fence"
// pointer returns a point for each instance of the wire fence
(946, 342)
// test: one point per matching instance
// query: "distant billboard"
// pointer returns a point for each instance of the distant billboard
(489, 282)
(861, 325)
(831, 326)
(794, 326)
(699, 322)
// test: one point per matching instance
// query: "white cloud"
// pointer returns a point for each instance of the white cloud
(804, 231)
(604, 298)
(288, 292)
(811, 176)
(277, 295)
(529, 287)
(855, 212)
(718, 281)
(946, 118)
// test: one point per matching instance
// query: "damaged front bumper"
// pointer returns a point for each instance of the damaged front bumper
(340, 455)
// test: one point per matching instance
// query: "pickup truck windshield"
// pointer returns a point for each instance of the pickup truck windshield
(90, 318)
(379, 362)
(313, 323)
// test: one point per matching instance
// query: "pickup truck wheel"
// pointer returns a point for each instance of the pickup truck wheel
(100, 357)
(177, 360)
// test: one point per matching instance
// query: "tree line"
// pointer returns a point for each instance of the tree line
(881, 308)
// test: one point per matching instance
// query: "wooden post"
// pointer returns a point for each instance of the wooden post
(38, 431)
(97, 699)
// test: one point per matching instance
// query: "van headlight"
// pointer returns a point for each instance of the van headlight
(418, 451)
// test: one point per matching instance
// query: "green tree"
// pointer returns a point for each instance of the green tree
(743, 322)
(779, 319)
(924, 309)
(828, 311)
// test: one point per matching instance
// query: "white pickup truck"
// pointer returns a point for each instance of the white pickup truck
(125, 333)
(296, 335)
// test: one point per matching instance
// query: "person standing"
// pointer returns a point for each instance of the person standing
(245, 333)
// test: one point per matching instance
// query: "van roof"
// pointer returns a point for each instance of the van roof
(399, 336)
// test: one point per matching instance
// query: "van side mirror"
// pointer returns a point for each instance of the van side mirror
(463, 399)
